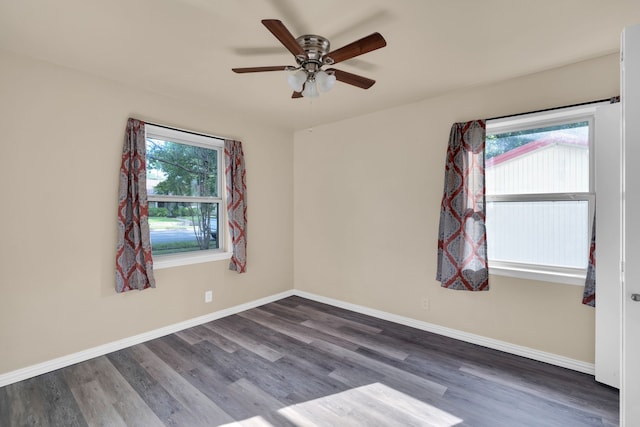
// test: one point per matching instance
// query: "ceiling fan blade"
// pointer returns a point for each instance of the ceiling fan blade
(366, 44)
(296, 95)
(352, 79)
(281, 32)
(259, 69)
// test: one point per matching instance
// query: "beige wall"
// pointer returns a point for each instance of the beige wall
(367, 193)
(62, 135)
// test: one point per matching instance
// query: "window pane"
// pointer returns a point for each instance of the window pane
(183, 227)
(181, 170)
(547, 233)
(553, 159)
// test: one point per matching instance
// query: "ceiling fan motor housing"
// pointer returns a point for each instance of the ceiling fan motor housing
(315, 47)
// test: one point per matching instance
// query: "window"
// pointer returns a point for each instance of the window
(539, 194)
(184, 187)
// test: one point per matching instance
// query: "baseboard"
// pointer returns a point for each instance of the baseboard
(530, 353)
(71, 359)
(81, 356)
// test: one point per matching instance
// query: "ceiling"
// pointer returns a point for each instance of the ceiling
(185, 49)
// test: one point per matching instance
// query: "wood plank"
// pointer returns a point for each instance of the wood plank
(392, 374)
(277, 324)
(357, 408)
(283, 380)
(59, 404)
(336, 322)
(25, 404)
(378, 395)
(359, 339)
(126, 401)
(5, 417)
(190, 335)
(217, 339)
(258, 402)
(305, 357)
(96, 406)
(226, 328)
(549, 390)
(204, 409)
(297, 362)
(196, 368)
(297, 330)
(170, 411)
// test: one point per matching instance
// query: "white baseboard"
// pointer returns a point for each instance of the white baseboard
(81, 356)
(530, 353)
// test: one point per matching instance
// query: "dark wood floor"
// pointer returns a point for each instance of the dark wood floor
(297, 362)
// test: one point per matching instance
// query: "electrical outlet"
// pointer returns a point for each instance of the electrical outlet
(208, 296)
(424, 303)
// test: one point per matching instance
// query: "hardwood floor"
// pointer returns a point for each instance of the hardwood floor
(296, 362)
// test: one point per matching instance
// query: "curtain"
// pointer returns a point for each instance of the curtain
(134, 264)
(236, 203)
(462, 244)
(589, 295)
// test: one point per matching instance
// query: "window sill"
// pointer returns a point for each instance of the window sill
(539, 275)
(177, 260)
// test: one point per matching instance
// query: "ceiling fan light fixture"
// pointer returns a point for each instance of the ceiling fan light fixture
(310, 89)
(296, 80)
(325, 81)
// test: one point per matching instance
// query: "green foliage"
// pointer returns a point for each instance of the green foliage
(159, 212)
(189, 170)
(174, 247)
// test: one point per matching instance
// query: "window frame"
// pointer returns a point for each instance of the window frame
(186, 137)
(541, 272)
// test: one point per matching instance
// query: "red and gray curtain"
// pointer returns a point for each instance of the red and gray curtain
(589, 295)
(134, 264)
(462, 243)
(236, 203)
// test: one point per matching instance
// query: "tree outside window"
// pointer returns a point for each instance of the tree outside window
(183, 191)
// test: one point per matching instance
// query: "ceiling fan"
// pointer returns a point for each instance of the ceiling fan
(312, 53)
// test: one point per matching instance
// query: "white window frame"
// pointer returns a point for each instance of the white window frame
(546, 273)
(210, 142)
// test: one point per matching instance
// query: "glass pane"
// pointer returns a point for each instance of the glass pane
(183, 227)
(181, 170)
(546, 160)
(544, 233)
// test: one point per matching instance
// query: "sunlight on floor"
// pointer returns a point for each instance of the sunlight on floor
(373, 404)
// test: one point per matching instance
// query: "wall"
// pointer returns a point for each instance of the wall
(62, 134)
(367, 193)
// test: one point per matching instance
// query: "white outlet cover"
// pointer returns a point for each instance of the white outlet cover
(208, 296)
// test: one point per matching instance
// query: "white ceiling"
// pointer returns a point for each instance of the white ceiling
(186, 48)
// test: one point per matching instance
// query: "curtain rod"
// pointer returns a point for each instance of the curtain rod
(187, 131)
(610, 100)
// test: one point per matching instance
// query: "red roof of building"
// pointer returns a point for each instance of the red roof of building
(551, 140)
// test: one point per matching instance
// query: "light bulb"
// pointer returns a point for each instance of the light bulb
(325, 81)
(310, 89)
(297, 79)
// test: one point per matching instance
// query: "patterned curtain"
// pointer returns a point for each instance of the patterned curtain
(236, 203)
(134, 265)
(462, 244)
(589, 296)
